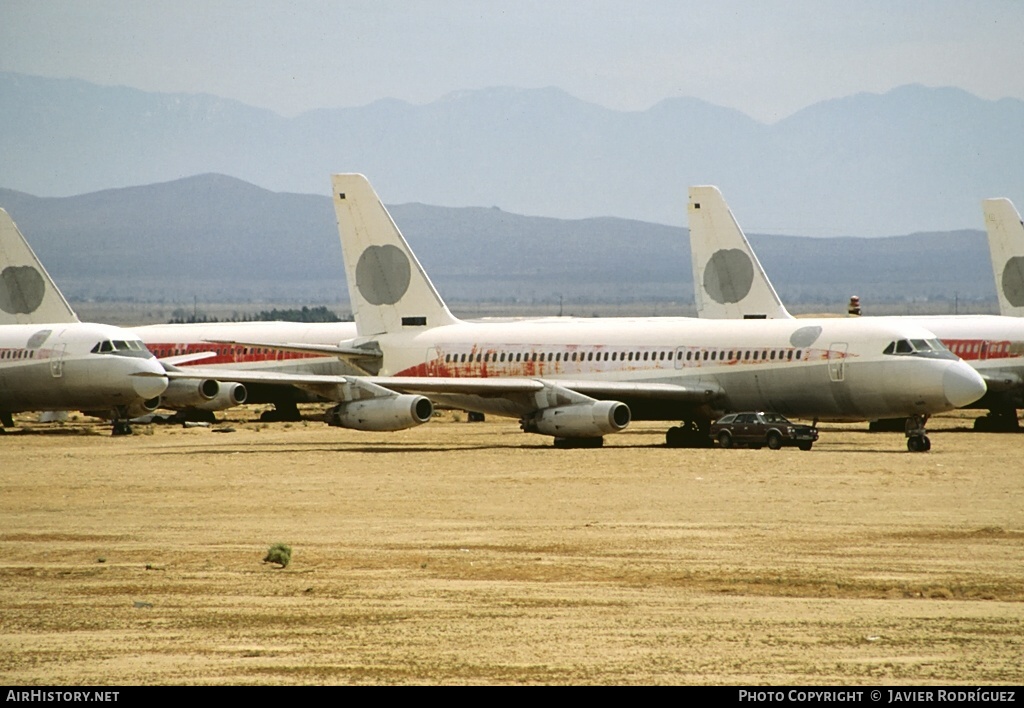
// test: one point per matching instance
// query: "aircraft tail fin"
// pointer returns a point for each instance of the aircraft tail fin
(1006, 245)
(387, 286)
(28, 294)
(728, 280)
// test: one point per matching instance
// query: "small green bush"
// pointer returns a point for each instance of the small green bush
(280, 554)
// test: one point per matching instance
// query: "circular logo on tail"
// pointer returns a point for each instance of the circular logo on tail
(21, 290)
(1013, 281)
(728, 276)
(382, 274)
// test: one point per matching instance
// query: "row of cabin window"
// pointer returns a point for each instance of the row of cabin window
(975, 347)
(747, 355)
(227, 351)
(716, 355)
(491, 357)
(18, 354)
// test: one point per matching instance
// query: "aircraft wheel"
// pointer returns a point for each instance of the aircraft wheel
(675, 437)
(121, 427)
(774, 441)
(805, 446)
(689, 434)
(918, 443)
(1001, 422)
(724, 440)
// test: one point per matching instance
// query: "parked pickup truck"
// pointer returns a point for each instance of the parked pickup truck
(756, 429)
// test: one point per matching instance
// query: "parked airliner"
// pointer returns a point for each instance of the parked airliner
(1006, 246)
(730, 283)
(577, 380)
(49, 361)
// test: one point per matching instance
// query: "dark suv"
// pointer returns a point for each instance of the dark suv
(755, 429)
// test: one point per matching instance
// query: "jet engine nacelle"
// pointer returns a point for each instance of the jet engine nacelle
(137, 410)
(207, 395)
(231, 394)
(382, 414)
(580, 420)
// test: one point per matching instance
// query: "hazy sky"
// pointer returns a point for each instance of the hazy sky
(767, 59)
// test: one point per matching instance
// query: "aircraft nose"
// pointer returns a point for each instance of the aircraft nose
(962, 385)
(150, 386)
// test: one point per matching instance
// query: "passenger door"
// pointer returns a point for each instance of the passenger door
(57, 360)
(837, 361)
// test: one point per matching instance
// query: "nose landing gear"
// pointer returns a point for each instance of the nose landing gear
(917, 436)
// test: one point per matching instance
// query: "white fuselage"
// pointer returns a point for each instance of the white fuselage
(831, 369)
(60, 367)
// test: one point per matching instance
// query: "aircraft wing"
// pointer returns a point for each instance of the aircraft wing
(513, 396)
(594, 389)
(172, 362)
(302, 348)
(364, 358)
(519, 397)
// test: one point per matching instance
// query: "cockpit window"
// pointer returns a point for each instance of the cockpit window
(121, 347)
(929, 348)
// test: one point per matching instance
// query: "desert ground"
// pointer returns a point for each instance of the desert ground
(471, 553)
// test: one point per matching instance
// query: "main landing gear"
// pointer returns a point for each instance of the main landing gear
(1003, 420)
(689, 433)
(283, 412)
(917, 436)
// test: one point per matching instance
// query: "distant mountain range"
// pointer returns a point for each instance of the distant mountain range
(213, 238)
(913, 159)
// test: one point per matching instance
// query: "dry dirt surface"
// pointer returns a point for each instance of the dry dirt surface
(460, 553)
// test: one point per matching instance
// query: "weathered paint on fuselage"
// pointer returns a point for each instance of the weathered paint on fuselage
(831, 369)
(52, 367)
